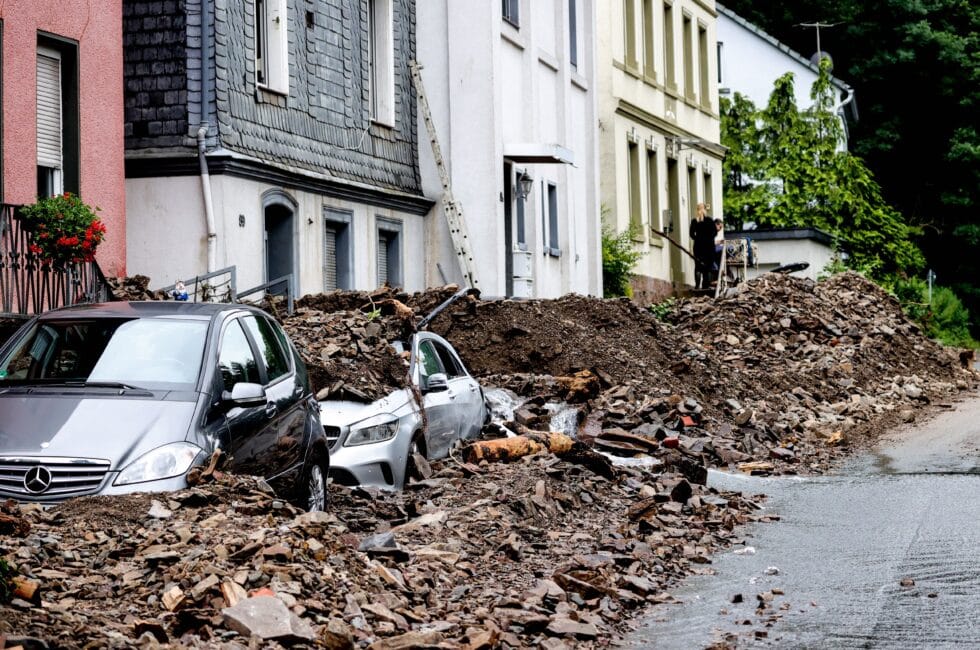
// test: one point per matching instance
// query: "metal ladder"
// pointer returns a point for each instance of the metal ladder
(452, 208)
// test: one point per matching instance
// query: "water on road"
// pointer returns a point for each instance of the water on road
(845, 543)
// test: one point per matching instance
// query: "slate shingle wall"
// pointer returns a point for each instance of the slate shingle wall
(324, 123)
(323, 126)
(154, 69)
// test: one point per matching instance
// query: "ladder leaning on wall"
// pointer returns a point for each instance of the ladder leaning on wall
(452, 207)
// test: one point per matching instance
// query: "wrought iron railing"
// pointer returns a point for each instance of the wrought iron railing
(267, 293)
(29, 286)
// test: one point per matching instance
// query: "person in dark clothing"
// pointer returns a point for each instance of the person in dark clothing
(703, 241)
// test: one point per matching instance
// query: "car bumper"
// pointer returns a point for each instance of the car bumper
(381, 464)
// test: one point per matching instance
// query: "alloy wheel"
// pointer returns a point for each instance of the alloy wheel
(316, 489)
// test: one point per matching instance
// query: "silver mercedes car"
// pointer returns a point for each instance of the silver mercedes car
(374, 444)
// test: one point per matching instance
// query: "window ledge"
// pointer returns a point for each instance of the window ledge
(512, 35)
(579, 81)
(548, 60)
(657, 241)
(553, 252)
(269, 90)
(378, 122)
(266, 95)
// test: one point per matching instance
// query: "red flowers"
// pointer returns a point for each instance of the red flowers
(64, 230)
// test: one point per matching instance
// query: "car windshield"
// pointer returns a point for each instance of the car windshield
(152, 353)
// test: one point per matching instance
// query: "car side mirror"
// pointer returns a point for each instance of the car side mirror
(245, 394)
(436, 383)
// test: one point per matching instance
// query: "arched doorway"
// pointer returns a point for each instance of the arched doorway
(279, 211)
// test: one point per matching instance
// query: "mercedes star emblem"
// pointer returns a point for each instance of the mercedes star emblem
(37, 479)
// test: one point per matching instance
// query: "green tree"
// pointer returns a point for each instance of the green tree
(802, 176)
(915, 67)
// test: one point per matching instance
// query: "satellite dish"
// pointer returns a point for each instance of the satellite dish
(815, 59)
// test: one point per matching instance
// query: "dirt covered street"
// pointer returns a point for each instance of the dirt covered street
(549, 550)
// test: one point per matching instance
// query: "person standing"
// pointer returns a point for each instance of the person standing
(702, 233)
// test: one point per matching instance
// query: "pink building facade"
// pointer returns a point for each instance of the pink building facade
(62, 98)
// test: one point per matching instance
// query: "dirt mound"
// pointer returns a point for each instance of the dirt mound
(614, 338)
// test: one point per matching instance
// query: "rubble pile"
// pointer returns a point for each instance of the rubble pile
(538, 553)
(777, 377)
(136, 287)
(345, 338)
(820, 358)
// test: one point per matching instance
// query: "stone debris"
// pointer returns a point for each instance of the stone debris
(510, 556)
(552, 550)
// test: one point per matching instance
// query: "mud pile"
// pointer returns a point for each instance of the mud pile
(615, 339)
(539, 553)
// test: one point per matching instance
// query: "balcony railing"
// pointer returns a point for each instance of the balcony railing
(29, 286)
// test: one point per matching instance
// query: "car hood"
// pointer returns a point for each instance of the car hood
(342, 413)
(117, 429)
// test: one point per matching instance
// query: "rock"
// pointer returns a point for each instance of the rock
(561, 626)
(907, 415)
(335, 635)
(159, 511)
(269, 619)
(912, 391)
(408, 641)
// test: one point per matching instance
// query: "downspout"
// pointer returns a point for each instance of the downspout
(202, 134)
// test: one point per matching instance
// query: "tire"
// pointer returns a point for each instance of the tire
(313, 491)
(417, 446)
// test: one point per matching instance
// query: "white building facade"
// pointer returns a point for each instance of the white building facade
(659, 131)
(750, 61)
(512, 89)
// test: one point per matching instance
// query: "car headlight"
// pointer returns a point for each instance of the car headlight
(163, 462)
(374, 429)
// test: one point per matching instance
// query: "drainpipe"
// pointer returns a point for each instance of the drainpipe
(202, 134)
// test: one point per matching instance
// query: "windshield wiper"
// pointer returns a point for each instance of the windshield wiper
(104, 384)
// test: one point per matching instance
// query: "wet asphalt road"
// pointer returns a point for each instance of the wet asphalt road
(841, 550)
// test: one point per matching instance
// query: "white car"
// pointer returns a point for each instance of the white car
(373, 444)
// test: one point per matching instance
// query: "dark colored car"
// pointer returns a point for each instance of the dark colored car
(128, 396)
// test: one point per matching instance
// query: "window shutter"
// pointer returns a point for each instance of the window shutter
(382, 259)
(330, 259)
(48, 111)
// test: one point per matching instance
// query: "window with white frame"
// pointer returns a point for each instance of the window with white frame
(555, 248)
(381, 61)
(272, 45)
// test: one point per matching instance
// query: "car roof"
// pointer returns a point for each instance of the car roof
(145, 309)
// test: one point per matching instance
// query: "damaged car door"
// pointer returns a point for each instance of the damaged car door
(439, 408)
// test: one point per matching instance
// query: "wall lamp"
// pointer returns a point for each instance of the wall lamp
(524, 185)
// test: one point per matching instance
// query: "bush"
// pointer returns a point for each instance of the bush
(63, 229)
(945, 318)
(618, 259)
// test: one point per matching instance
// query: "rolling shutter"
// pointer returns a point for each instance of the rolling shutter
(48, 110)
(330, 259)
(382, 259)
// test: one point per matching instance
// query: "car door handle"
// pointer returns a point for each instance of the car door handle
(271, 410)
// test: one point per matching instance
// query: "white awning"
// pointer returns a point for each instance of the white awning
(539, 153)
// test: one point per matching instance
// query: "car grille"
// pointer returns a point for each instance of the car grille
(333, 435)
(50, 479)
